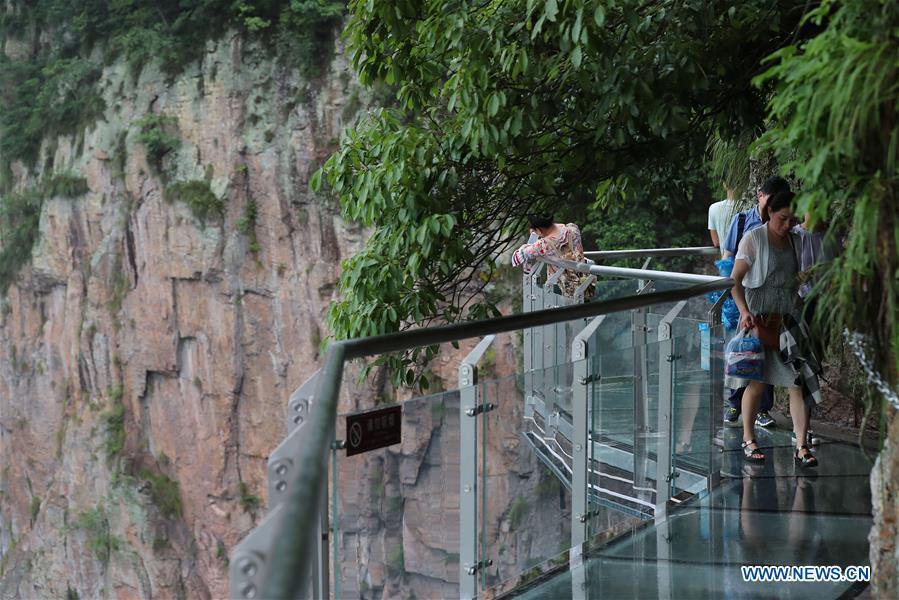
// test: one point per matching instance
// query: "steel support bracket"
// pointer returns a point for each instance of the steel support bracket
(478, 566)
(480, 408)
(589, 515)
(246, 570)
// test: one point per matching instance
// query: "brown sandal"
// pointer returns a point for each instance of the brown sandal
(808, 460)
(750, 455)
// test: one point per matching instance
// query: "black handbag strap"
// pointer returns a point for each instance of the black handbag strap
(741, 225)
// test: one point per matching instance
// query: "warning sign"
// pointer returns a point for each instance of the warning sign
(373, 429)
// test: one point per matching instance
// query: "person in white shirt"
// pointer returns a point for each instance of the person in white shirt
(720, 215)
(765, 290)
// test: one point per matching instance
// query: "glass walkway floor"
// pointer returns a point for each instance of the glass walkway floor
(592, 470)
(776, 514)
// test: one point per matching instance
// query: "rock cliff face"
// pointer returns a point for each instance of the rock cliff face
(885, 500)
(146, 356)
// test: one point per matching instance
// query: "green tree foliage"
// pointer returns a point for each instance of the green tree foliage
(199, 197)
(172, 31)
(836, 126)
(156, 135)
(508, 107)
(43, 98)
(51, 90)
(20, 215)
(165, 492)
(94, 523)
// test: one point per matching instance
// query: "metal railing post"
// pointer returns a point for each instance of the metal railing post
(716, 390)
(537, 303)
(641, 390)
(527, 306)
(469, 402)
(248, 567)
(579, 505)
(640, 282)
(664, 471)
(585, 431)
(663, 560)
(551, 332)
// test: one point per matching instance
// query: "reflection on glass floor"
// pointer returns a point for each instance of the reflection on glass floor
(776, 514)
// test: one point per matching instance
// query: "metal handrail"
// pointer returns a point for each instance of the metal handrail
(628, 273)
(291, 554)
(652, 252)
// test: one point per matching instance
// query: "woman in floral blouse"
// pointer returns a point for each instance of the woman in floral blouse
(555, 241)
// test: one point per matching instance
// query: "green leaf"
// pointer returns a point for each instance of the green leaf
(315, 183)
(493, 105)
(576, 56)
(551, 10)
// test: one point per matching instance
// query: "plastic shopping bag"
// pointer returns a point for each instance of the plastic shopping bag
(730, 314)
(744, 357)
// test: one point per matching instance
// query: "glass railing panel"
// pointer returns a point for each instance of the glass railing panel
(524, 506)
(623, 409)
(395, 510)
(526, 455)
(613, 396)
(610, 289)
(615, 331)
(692, 417)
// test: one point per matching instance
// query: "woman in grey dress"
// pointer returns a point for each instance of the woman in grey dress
(765, 283)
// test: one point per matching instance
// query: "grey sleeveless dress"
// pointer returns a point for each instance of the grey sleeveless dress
(779, 294)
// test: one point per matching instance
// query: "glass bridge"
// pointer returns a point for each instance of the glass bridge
(580, 455)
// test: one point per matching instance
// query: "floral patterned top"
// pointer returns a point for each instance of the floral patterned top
(566, 245)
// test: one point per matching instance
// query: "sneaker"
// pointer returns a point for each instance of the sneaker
(810, 439)
(763, 419)
(731, 417)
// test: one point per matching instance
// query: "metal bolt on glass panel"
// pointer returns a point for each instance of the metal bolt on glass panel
(298, 404)
(248, 563)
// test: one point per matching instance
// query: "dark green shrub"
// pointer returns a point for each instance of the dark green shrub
(155, 134)
(115, 425)
(164, 491)
(247, 225)
(395, 558)
(35, 508)
(198, 196)
(19, 229)
(44, 97)
(517, 511)
(95, 524)
(67, 185)
(248, 501)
